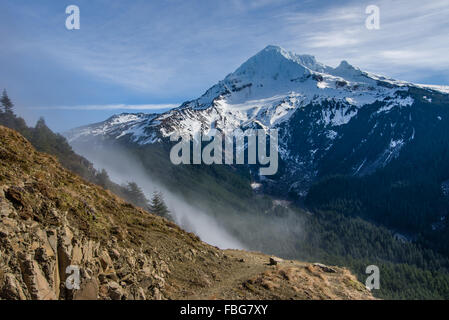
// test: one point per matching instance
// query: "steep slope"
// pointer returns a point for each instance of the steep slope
(45, 140)
(52, 219)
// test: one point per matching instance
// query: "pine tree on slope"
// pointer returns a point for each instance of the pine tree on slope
(6, 103)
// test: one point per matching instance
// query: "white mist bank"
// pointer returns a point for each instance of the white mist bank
(122, 169)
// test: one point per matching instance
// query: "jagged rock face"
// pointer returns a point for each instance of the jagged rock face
(53, 222)
(41, 256)
(314, 106)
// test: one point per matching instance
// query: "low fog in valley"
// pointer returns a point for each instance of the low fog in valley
(233, 230)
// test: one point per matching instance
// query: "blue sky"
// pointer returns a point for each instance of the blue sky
(145, 56)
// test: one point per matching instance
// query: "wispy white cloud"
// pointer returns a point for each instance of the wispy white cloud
(411, 43)
(111, 107)
(343, 38)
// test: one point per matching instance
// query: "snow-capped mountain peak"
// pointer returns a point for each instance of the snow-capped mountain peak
(275, 63)
(266, 89)
(349, 72)
(310, 103)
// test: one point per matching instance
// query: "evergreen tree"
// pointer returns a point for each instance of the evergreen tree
(102, 179)
(135, 195)
(43, 136)
(6, 103)
(40, 124)
(158, 205)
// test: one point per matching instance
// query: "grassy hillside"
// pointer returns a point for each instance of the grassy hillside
(44, 140)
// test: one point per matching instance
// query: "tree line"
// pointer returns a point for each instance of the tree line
(45, 140)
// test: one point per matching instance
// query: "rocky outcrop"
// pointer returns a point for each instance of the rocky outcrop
(44, 263)
(64, 238)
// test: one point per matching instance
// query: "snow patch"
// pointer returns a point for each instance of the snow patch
(397, 102)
